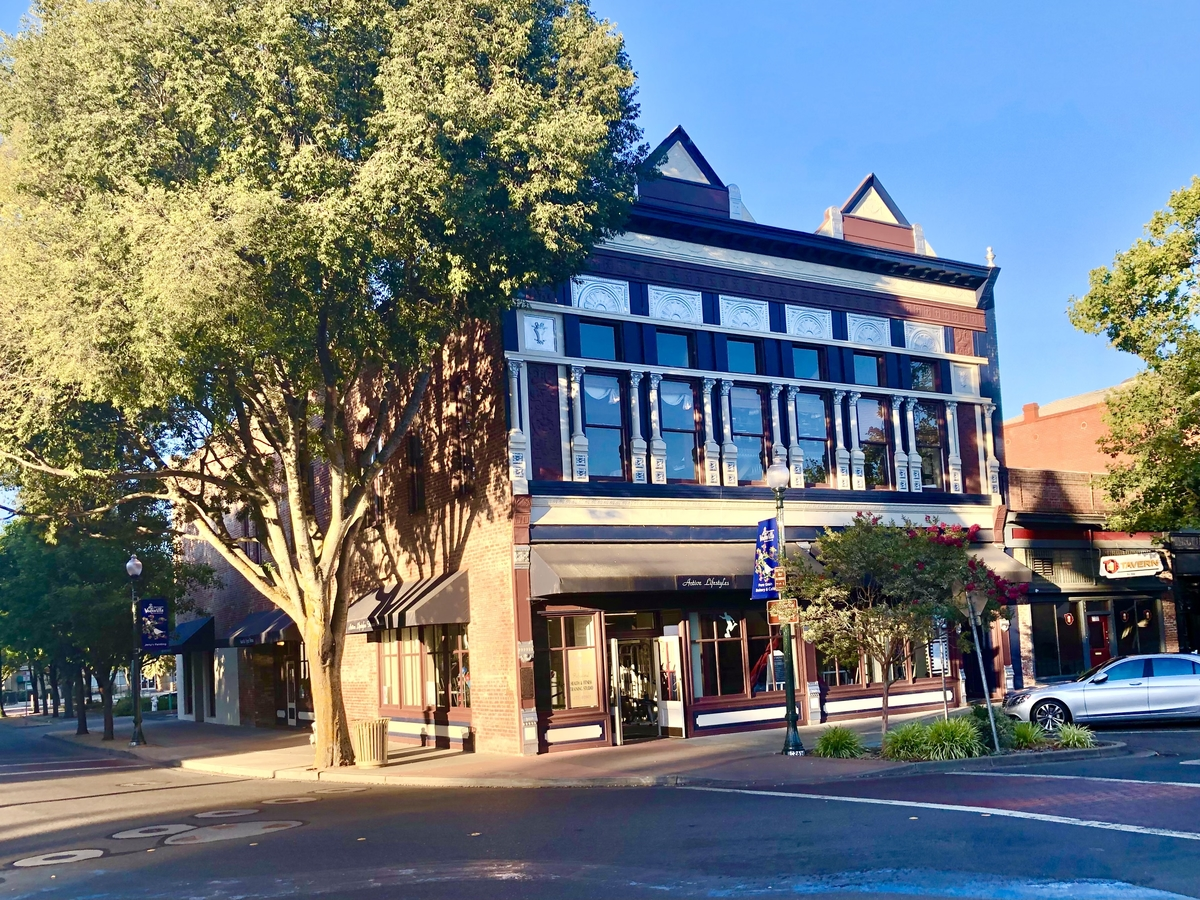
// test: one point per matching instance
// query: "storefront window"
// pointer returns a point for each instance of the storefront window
(1057, 639)
(1137, 626)
(836, 672)
(717, 650)
(872, 437)
(425, 667)
(749, 437)
(767, 663)
(603, 426)
(929, 445)
(449, 660)
(570, 655)
(812, 434)
(677, 403)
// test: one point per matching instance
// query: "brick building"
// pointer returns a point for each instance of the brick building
(562, 558)
(1075, 615)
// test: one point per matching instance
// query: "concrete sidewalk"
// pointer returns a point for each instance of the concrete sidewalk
(746, 759)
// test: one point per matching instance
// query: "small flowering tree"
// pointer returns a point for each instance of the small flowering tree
(884, 589)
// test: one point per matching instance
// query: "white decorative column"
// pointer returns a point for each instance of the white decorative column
(579, 444)
(637, 444)
(898, 436)
(778, 452)
(518, 443)
(795, 454)
(712, 451)
(914, 458)
(841, 453)
(858, 459)
(955, 458)
(658, 447)
(993, 464)
(729, 470)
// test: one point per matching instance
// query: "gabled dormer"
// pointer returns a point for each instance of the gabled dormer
(685, 181)
(870, 216)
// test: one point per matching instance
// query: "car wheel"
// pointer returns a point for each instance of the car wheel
(1050, 714)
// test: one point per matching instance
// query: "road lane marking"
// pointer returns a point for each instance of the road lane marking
(285, 801)
(224, 813)
(229, 831)
(952, 807)
(75, 769)
(1190, 762)
(59, 858)
(1184, 784)
(152, 831)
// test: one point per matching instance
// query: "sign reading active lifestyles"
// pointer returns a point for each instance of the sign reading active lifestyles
(1131, 565)
(154, 624)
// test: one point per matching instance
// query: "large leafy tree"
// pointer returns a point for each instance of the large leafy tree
(234, 234)
(1146, 303)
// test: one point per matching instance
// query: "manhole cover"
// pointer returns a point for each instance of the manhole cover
(228, 831)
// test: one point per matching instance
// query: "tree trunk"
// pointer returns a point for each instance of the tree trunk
(41, 680)
(68, 694)
(54, 696)
(84, 688)
(887, 687)
(105, 680)
(33, 688)
(333, 746)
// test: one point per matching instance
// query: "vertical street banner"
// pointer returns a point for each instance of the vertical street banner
(154, 624)
(766, 558)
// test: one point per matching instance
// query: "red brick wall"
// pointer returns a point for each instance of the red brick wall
(1064, 441)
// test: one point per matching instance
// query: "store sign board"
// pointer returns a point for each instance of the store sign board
(783, 612)
(1130, 565)
(703, 582)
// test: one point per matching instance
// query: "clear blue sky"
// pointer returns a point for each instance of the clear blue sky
(1049, 131)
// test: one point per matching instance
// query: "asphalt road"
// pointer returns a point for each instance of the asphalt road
(1118, 829)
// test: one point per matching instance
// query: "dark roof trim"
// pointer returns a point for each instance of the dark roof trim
(736, 234)
(693, 151)
(871, 181)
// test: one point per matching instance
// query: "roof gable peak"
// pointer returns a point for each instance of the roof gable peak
(682, 160)
(871, 200)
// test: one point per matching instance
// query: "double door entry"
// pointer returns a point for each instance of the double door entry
(646, 687)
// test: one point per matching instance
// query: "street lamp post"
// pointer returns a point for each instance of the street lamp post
(134, 569)
(778, 478)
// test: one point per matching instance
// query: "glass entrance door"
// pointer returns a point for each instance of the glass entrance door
(634, 689)
(670, 682)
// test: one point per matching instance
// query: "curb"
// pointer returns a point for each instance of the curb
(1008, 760)
(111, 751)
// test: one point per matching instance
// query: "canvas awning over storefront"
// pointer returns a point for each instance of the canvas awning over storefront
(1002, 564)
(265, 627)
(360, 619)
(444, 600)
(633, 568)
(194, 636)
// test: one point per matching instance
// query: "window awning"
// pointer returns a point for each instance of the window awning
(360, 619)
(265, 627)
(444, 600)
(193, 636)
(1002, 564)
(627, 568)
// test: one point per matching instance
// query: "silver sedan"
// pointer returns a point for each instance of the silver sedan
(1154, 686)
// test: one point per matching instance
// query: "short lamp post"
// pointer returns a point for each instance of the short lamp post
(133, 569)
(778, 478)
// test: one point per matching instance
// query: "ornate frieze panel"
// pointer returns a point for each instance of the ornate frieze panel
(964, 378)
(748, 315)
(676, 305)
(539, 333)
(873, 330)
(924, 338)
(804, 321)
(600, 294)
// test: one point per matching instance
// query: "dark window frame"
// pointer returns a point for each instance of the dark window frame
(886, 443)
(697, 439)
(433, 663)
(935, 370)
(939, 414)
(545, 658)
(608, 326)
(622, 429)
(765, 436)
(826, 401)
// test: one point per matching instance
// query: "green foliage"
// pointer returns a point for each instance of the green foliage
(909, 742)
(1004, 726)
(839, 742)
(956, 738)
(1074, 737)
(1146, 303)
(124, 706)
(1029, 736)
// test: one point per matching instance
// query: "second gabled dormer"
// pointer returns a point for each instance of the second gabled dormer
(870, 216)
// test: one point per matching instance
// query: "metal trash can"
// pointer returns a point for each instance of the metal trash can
(370, 742)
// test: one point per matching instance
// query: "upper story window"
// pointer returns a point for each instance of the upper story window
(749, 434)
(812, 436)
(924, 375)
(806, 362)
(928, 425)
(873, 439)
(597, 341)
(677, 405)
(674, 349)
(743, 356)
(866, 369)
(603, 425)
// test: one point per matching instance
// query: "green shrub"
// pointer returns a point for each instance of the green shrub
(124, 706)
(956, 738)
(1004, 726)
(1029, 736)
(839, 742)
(1074, 737)
(908, 742)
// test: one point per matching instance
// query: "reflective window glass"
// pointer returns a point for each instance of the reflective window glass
(924, 375)
(743, 356)
(866, 369)
(674, 349)
(597, 341)
(603, 426)
(806, 363)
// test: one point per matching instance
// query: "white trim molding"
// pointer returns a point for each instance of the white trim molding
(601, 294)
(875, 331)
(924, 338)
(676, 305)
(803, 321)
(749, 315)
